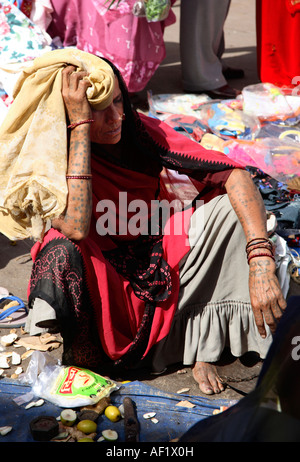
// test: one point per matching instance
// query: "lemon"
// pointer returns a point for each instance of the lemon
(112, 413)
(110, 435)
(87, 426)
(85, 440)
(68, 417)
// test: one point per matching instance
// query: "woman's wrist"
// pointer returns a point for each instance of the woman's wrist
(260, 247)
(79, 123)
(260, 255)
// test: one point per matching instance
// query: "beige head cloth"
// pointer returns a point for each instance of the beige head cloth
(33, 140)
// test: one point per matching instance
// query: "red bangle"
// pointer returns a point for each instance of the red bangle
(261, 255)
(75, 124)
(266, 246)
(79, 177)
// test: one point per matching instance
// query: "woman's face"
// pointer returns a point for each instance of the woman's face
(107, 125)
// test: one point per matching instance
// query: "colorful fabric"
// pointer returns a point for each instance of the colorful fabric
(20, 39)
(134, 45)
(24, 5)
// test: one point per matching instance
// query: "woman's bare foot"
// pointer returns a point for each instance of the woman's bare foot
(207, 377)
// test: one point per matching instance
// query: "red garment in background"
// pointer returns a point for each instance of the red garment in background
(278, 35)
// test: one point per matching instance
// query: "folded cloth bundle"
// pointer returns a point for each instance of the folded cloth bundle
(33, 140)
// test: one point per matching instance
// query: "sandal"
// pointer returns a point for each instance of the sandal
(225, 92)
(12, 316)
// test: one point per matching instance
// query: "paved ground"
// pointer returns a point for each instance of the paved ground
(15, 262)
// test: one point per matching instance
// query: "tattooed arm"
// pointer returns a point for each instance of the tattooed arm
(75, 222)
(265, 293)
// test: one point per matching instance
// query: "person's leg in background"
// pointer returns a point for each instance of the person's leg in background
(202, 46)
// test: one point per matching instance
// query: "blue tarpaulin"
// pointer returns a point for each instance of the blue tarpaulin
(173, 420)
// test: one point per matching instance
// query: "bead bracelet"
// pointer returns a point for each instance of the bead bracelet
(259, 240)
(75, 124)
(260, 243)
(265, 245)
(261, 255)
(79, 177)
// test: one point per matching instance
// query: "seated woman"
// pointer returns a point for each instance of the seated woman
(127, 290)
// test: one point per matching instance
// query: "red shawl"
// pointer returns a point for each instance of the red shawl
(119, 311)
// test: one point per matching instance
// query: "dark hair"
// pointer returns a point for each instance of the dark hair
(133, 129)
(130, 114)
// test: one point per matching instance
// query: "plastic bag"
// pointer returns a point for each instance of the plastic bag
(268, 102)
(177, 111)
(65, 386)
(278, 158)
(175, 103)
(152, 10)
(189, 126)
(282, 131)
(225, 120)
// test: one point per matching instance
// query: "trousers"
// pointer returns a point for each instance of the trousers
(202, 43)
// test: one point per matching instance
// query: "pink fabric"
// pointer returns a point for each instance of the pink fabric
(135, 46)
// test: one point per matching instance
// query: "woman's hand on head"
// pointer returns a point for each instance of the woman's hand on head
(74, 88)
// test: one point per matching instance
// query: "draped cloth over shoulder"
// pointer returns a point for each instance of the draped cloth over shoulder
(33, 140)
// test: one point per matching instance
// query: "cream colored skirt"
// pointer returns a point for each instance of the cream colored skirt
(214, 308)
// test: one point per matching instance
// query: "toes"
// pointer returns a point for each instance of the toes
(217, 383)
(206, 388)
(208, 379)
